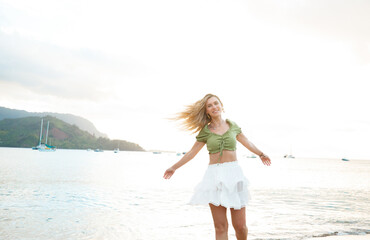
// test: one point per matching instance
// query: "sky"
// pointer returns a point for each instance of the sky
(293, 74)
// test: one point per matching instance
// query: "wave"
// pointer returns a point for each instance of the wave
(354, 232)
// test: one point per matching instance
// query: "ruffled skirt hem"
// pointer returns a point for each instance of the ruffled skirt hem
(222, 185)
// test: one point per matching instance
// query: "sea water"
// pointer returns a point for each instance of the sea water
(77, 194)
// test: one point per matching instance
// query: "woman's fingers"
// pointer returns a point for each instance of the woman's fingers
(168, 174)
(266, 160)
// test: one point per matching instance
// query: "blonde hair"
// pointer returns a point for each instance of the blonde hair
(194, 117)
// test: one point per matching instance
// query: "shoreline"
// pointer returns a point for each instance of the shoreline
(343, 237)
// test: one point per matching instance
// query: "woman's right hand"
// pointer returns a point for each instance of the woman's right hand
(169, 172)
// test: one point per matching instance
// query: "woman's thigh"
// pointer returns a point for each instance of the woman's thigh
(238, 217)
(219, 215)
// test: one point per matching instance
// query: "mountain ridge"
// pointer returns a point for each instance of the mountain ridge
(25, 132)
(80, 122)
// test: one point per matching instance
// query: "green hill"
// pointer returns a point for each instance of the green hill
(25, 132)
(80, 122)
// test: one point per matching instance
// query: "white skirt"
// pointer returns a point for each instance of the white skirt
(223, 184)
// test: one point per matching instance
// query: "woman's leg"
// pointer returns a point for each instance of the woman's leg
(220, 221)
(239, 223)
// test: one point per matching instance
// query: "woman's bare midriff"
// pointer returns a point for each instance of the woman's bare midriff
(227, 156)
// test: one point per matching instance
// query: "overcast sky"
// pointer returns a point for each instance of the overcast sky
(292, 74)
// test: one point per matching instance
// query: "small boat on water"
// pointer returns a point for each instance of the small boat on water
(98, 150)
(44, 147)
(345, 159)
(290, 155)
(116, 150)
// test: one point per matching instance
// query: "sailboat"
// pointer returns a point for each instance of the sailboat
(44, 147)
(116, 150)
(289, 155)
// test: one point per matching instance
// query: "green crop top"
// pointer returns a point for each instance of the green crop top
(216, 142)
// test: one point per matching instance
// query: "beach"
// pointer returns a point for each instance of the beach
(344, 237)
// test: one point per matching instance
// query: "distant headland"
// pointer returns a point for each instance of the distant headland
(20, 128)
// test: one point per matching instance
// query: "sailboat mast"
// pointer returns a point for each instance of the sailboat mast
(47, 132)
(42, 121)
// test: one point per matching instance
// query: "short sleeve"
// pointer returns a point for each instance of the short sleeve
(237, 129)
(202, 136)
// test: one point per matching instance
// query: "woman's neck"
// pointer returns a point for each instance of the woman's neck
(217, 121)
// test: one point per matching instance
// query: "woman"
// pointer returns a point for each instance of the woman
(223, 185)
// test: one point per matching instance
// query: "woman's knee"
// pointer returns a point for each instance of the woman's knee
(240, 228)
(221, 227)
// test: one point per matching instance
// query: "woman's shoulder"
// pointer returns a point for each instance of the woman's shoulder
(203, 134)
(204, 129)
(233, 125)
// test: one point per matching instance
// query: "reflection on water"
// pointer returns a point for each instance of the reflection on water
(72, 194)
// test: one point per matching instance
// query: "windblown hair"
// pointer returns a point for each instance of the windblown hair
(194, 117)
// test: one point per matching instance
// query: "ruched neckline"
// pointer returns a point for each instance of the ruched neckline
(228, 123)
(216, 143)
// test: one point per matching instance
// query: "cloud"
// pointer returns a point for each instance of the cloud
(347, 21)
(51, 70)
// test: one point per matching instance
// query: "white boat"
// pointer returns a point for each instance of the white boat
(44, 147)
(39, 145)
(289, 155)
(116, 150)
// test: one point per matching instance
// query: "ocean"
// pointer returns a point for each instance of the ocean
(78, 194)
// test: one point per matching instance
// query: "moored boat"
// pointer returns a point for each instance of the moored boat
(44, 147)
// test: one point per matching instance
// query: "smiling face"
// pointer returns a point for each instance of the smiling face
(214, 107)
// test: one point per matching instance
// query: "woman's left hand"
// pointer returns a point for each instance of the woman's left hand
(169, 172)
(265, 160)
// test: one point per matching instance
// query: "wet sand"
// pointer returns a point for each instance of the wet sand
(345, 237)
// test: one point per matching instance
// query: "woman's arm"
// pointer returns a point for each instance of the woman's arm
(251, 147)
(186, 158)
